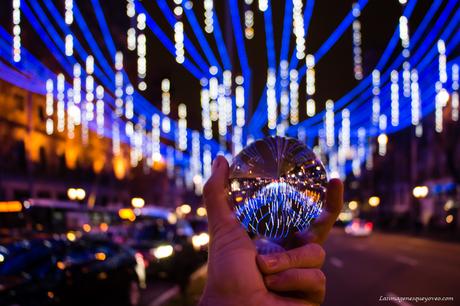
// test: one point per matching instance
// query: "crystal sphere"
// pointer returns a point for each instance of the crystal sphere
(277, 186)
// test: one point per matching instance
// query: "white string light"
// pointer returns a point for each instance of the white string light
(89, 85)
(17, 30)
(156, 153)
(165, 105)
(406, 75)
(227, 81)
(310, 84)
(240, 115)
(284, 97)
(404, 35)
(249, 21)
(455, 96)
(131, 39)
(100, 110)
(179, 41)
(182, 132)
(141, 61)
(382, 139)
(222, 121)
(49, 108)
(205, 110)
(298, 28)
(415, 98)
(294, 96)
(60, 108)
(329, 124)
(357, 51)
(271, 99)
(263, 5)
(118, 84)
(442, 61)
(73, 114)
(376, 96)
(68, 4)
(208, 16)
(195, 163)
(213, 94)
(394, 98)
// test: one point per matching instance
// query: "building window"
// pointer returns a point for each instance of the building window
(19, 101)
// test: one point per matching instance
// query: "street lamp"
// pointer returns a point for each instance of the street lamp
(185, 209)
(353, 205)
(76, 194)
(420, 192)
(374, 201)
(137, 202)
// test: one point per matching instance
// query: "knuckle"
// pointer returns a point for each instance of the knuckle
(292, 258)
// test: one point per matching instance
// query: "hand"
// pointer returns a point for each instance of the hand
(234, 269)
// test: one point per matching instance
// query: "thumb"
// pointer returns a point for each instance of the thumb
(215, 193)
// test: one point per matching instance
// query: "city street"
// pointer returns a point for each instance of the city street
(361, 270)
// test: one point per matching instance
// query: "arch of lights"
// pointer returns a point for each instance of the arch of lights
(94, 92)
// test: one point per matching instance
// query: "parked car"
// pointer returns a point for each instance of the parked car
(359, 228)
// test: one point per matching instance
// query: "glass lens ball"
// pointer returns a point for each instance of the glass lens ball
(277, 186)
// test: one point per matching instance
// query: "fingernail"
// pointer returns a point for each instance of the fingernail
(269, 260)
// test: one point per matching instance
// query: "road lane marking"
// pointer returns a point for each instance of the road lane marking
(336, 262)
(406, 260)
(399, 302)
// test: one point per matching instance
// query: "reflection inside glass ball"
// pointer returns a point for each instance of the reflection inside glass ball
(277, 186)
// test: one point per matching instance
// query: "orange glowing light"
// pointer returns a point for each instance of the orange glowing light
(119, 167)
(86, 227)
(127, 214)
(100, 256)
(10, 206)
(104, 227)
(60, 265)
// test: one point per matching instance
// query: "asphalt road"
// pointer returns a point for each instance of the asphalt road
(366, 271)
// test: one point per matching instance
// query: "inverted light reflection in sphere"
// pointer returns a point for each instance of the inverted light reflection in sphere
(278, 186)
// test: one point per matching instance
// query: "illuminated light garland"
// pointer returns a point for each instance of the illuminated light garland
(298, 28)
(130, 8)
(222, 114)
(406, 79)
(69, 45)
(68, 18)
(263, 5)
(249, 21)
(73, 114)
(415, 98)
(271, 98)
(329, 124)
(376, 96)
(382, 139)
(178, 10)
(16, 31)
(240, 115)
(207, 162)
(394, 98)
(100, 110)
(345, 131)
(118, 84)
(49, 107)
(156, 153)
(60, 107)
(131, 39)
(442, 61)
(213, 94)
(165, 105)
(455, 96)
(294, 97)
(227, 82)
(89, 85)
(205, 110)
(357, 41)
(182, 131)
(310, 84)
(129, 110)
(77, 85)
(141, 61)
(179, 42)
(284, 97)
(208, 16)
(404, 35)
(195, 163)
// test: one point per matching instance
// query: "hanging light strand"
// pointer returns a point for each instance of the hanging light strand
(357, 51)
(16, 30)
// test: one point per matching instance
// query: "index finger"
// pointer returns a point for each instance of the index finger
(321, 226)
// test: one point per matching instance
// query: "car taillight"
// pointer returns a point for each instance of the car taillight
(369, 225)
(355, 225)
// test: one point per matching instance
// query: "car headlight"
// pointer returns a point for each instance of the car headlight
(162, 251)
(200, 240)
